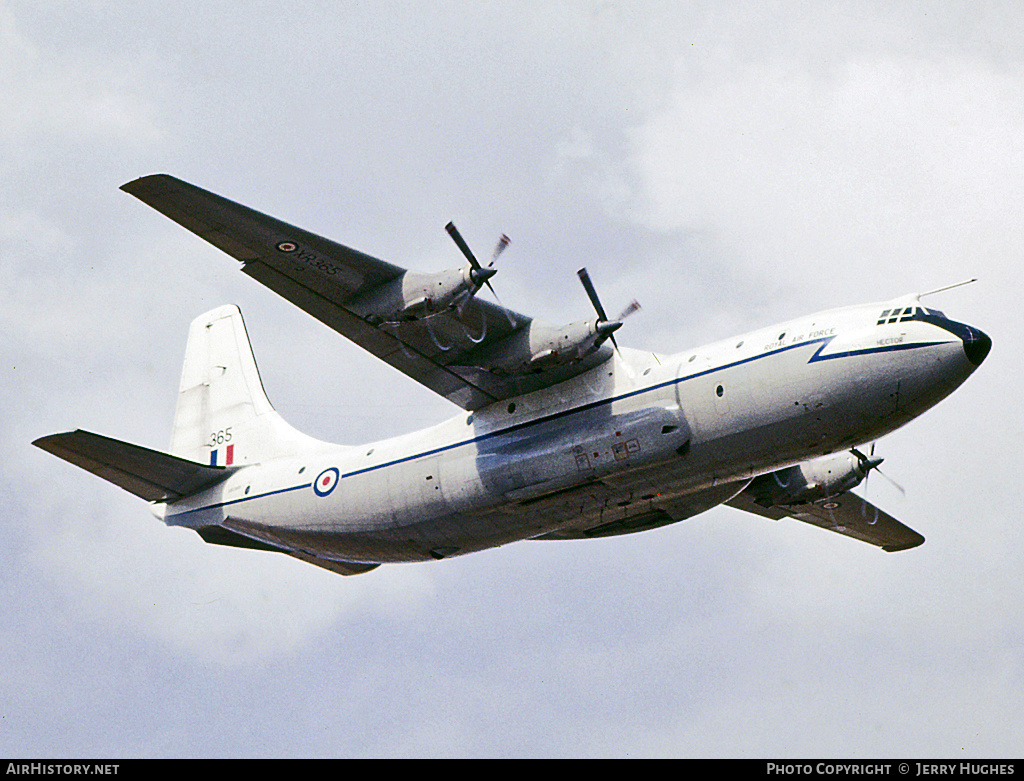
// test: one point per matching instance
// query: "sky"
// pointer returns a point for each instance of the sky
(728, 164)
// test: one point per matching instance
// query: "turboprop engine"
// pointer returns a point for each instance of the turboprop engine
(813, 480)
(541, 347)
(414, 296)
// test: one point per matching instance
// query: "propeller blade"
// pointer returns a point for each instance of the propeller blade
(462, 245)
(633, 306)
(503, 242)
(897, 486)
(592, 293)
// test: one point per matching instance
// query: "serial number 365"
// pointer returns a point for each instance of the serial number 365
(220, 437)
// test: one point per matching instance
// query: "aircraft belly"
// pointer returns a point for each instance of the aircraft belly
(652, 510)
(421, 540)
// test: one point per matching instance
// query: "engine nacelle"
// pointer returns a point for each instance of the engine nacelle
(540, 347)
(812, 481)
(414, 296)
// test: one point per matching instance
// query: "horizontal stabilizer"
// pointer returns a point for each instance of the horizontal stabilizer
(294, 543)
(220, 535)
(155, 476)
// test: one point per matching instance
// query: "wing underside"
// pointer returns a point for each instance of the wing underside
(332, 283)
(847, 514)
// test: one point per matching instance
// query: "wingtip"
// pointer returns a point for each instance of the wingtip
(918, 540)
(135, 184)
(46, 443)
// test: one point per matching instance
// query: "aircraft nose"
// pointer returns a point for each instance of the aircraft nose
(976, 344)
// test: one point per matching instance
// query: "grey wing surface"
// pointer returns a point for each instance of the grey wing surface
(325, 279)
(846, 514)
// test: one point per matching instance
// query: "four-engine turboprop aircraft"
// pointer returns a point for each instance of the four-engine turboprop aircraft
(563, 435)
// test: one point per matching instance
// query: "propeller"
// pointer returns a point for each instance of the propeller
(867, 463)
(605, 326)
(479, 274)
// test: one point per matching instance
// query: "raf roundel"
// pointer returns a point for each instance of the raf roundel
(325, 481)
(287, 246)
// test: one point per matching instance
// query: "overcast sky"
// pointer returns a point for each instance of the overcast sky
(729, 164)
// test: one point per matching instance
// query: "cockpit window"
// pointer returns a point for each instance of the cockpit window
(901, 315)
(896, 315)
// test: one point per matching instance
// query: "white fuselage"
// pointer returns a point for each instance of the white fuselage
(639, 434)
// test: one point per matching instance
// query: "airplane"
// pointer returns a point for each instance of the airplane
(562, 434)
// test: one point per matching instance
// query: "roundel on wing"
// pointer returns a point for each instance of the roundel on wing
(287, 246)
(326, 481)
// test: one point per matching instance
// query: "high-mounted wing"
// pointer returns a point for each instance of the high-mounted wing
(847, 514)
(467, 349)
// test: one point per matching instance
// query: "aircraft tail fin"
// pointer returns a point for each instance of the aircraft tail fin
(223, 416)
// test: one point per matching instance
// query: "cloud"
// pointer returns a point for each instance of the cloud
(68, 95)
(230, 607)
(900, 162)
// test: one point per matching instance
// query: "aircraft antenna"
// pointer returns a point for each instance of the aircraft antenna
(948, 287)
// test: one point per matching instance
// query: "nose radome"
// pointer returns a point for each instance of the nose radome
(976, 345)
